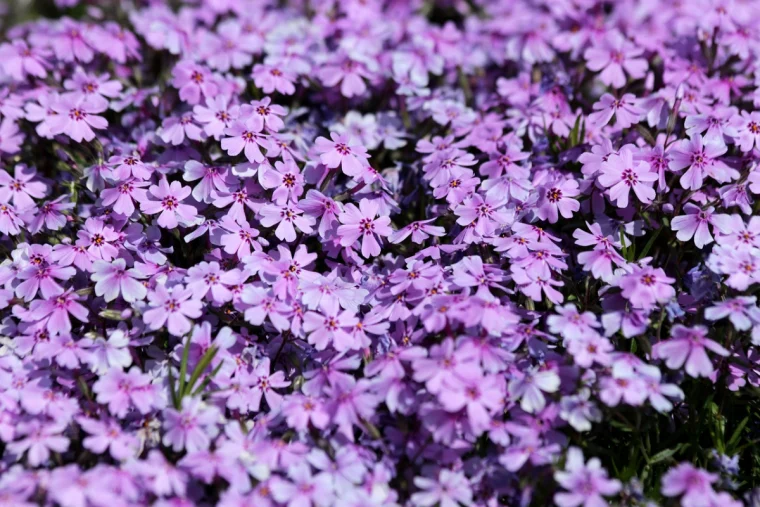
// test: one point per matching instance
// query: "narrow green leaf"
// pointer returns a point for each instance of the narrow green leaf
(172, 391)
(737, 433)
(200, 368)
(663, 455)
(649, 244)
(208, 379)
(183, 368)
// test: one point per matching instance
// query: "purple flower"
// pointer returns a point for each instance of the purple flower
(20, 60)
(169, 204)
(172, 307)
(192, 428)
(449, 488)
(615, 57)
(288, 217)
(108, 436)
(622, 175)
(646, 286)
(693, 485)
(688, 345)
(303, 489)
(245, 136)
(55, 311)
(695, 224)
(625, 110)
(193, 81)
(77, 116)
(124, 390)
(557, 199)
(344, 152)
(113, 278)
(362, 222)
(37, 440)
(586, 483)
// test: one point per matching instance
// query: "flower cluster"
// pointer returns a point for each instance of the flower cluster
(373, 252)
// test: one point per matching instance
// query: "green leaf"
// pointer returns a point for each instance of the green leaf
(208, 379)
(172, 391)
(183, 367)
(737, 433)
(663, 456)
(649, 244)
(199, 369)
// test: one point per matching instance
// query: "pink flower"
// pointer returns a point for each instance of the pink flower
(169, 204)
(108, 435)
(217, 115)
(318, 205)
(76, 117)
(208, 276)
(557, 199)
(695, 224)
(240, 238)
(193, 81)
(41, 277)
(699, 157)
(484, 214)
(261, 303)
(265, 385)
(174, 129)
(333, 328)
(125, 166)
(613, 56)
(362, 223)
(687, 345)
(56, 311)
(124, 195)
(286, 179)
(211, 179)
(586, 483)
(479, 396)
(344, 152)
(37, 440)
(123, 390)
(531, 283)
(10, 222)
(10, 137)
(264, 113)
(174, 308)
(18, 60)
(448, 489)
(625, 110)
(747, 130)
(113, 278)
(98, 89)
(245, 136)
(420, 231)
(647, 286)
(621, 174)
(192, 427)
(347, 71)
(288, 216)
(694, 484)
(305, 490)
(272, 78)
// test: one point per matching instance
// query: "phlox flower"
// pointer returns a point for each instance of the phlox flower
(689, 346)
(621, 174)
(169, 204)
(363, 222)
(172, 307)
(77, 116)
(586, 483)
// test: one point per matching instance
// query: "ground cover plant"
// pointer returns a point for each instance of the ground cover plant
(366, 252)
